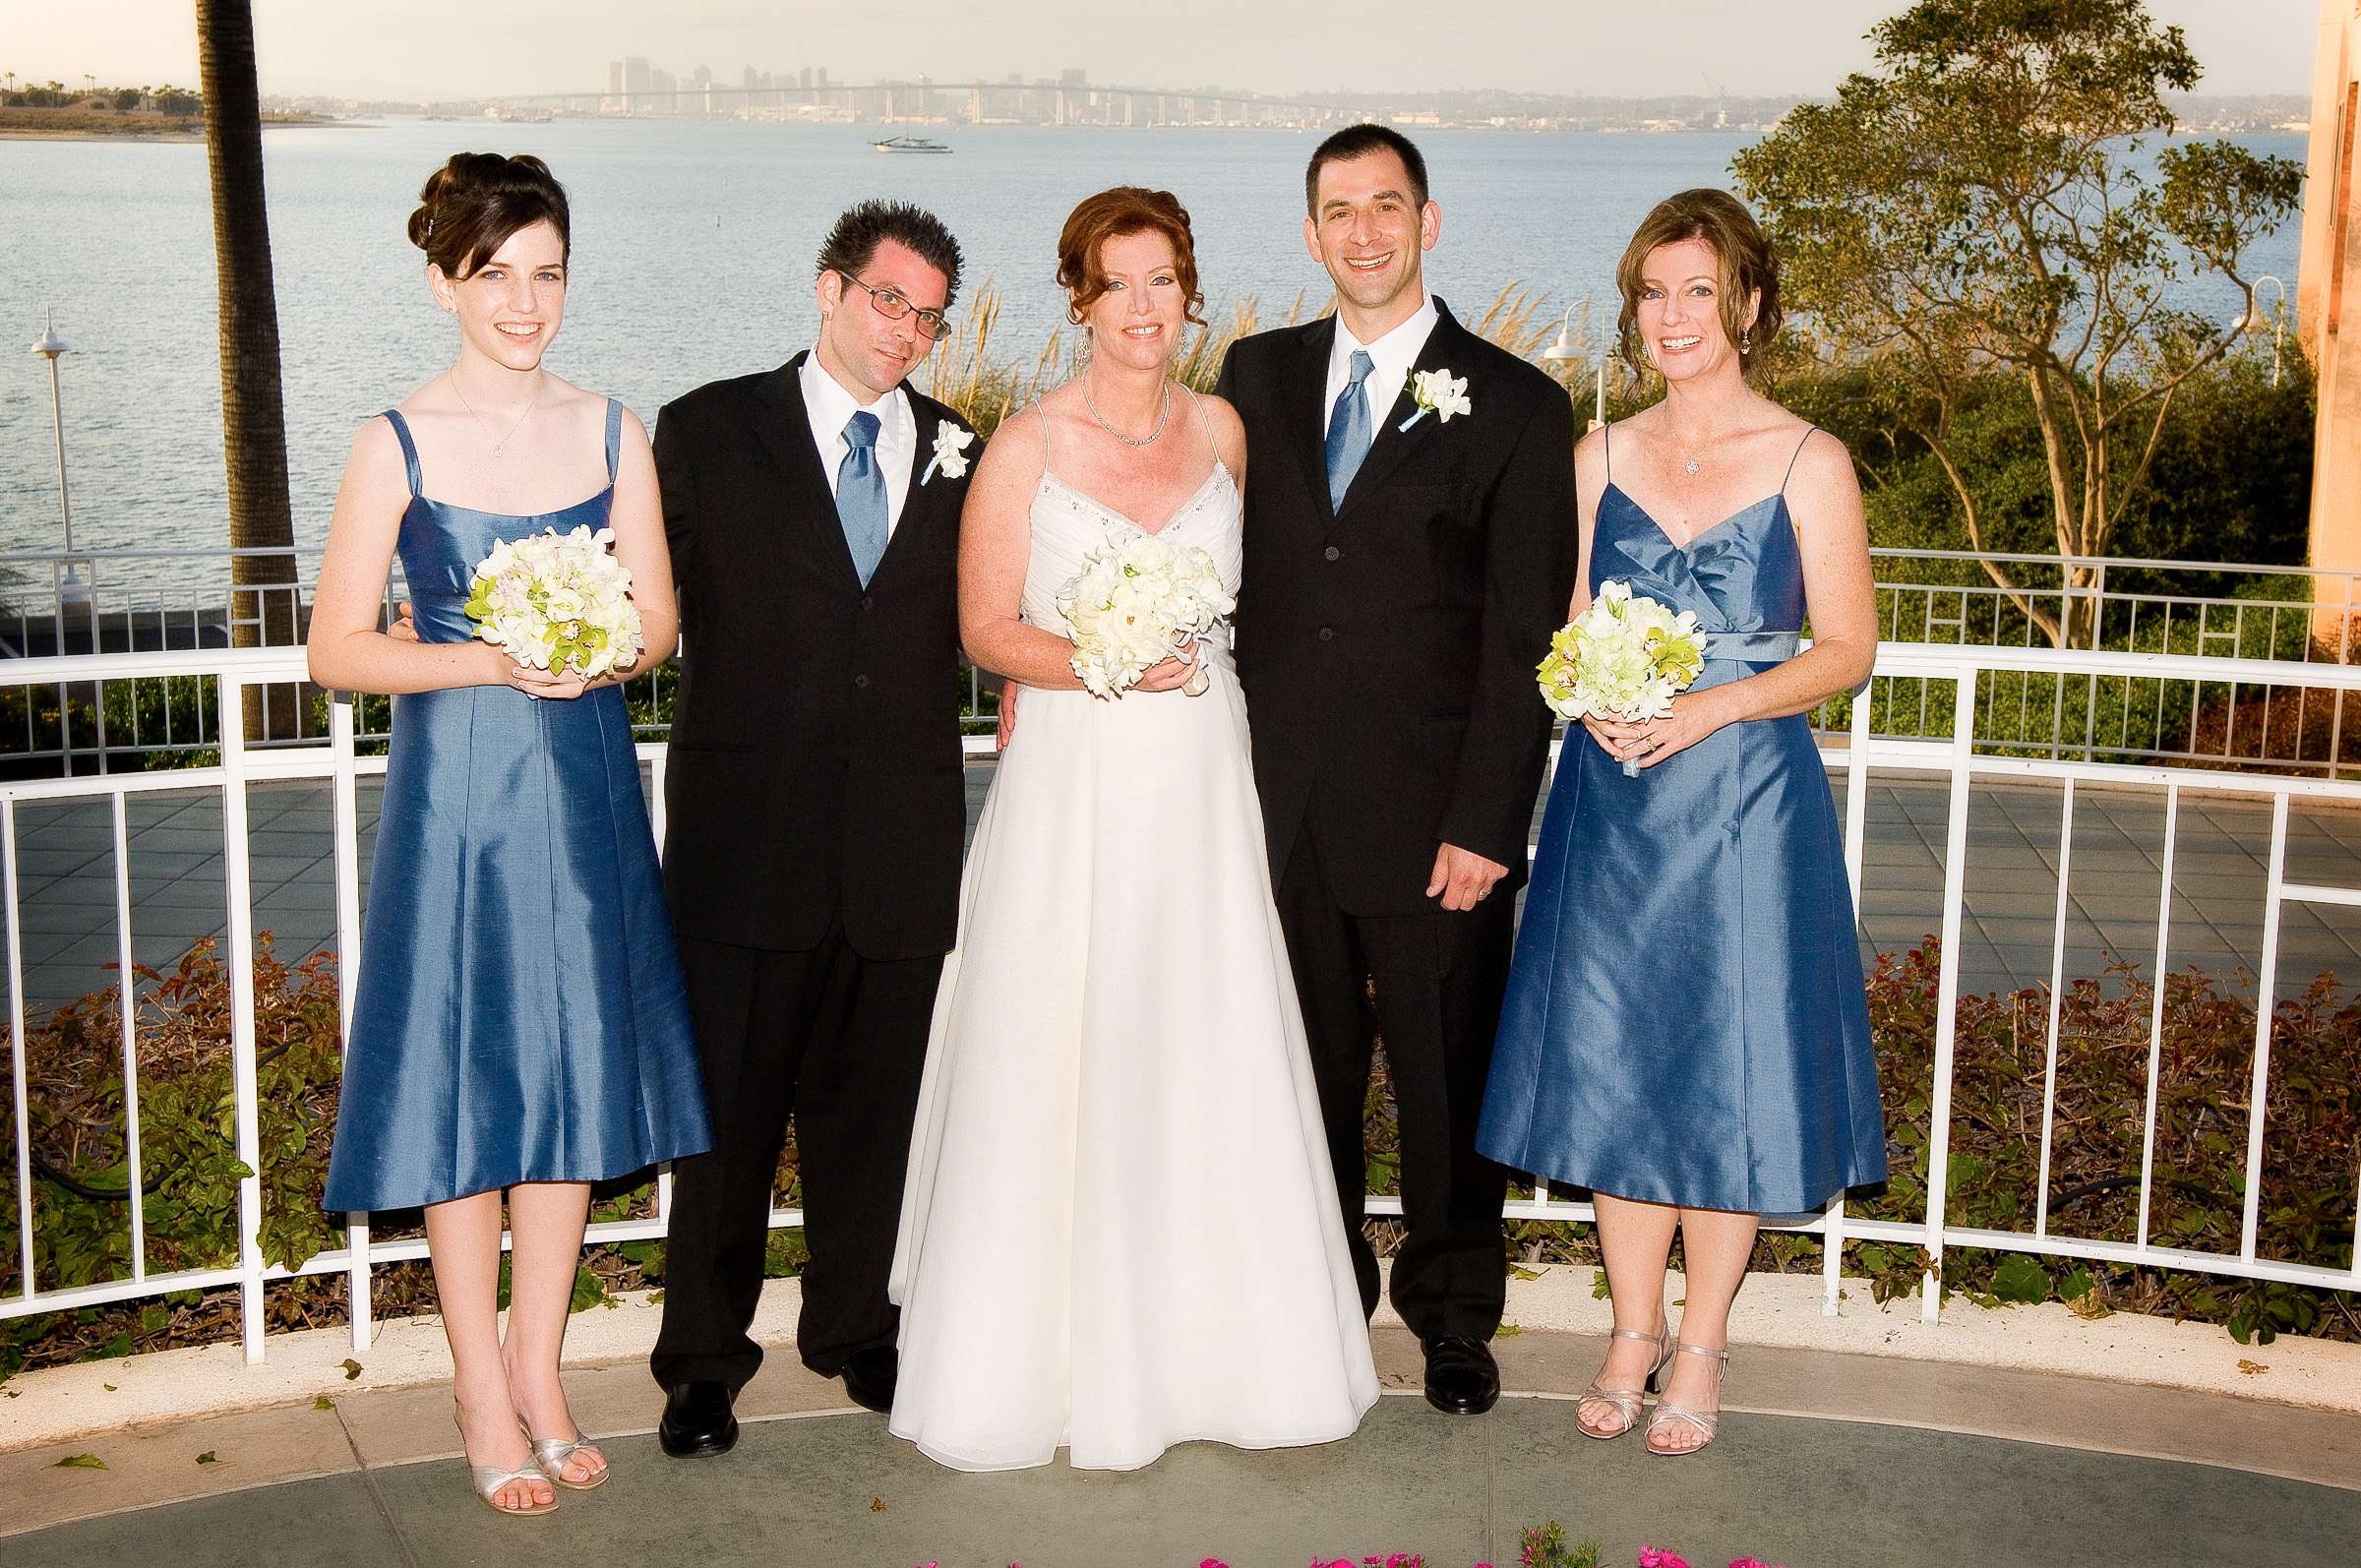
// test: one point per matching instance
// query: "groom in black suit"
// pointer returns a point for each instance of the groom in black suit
(816, 806)
(1405, 566)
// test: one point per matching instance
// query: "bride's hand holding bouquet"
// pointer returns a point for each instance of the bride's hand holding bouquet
(1139, 609)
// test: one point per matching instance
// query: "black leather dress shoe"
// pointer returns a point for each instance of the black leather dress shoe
(1461, 1378)
(697, 1422)
(869, 1377)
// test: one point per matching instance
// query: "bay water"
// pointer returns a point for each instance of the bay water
(693, 247)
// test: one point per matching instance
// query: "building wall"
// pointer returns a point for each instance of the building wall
(2327, 294)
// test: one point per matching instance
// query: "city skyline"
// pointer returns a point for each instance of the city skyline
(419, 50)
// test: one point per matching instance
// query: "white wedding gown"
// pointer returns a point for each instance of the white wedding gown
(1121, 1229)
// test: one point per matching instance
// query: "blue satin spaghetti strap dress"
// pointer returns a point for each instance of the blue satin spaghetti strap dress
(520, 1014)
(1685, 1020)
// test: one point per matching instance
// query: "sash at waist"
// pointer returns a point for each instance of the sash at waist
(1751, 647)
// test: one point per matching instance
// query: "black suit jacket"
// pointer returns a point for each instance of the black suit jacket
(814, 769)
(1387, 647)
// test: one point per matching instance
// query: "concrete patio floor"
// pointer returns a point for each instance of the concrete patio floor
(1826, 1460)
(66, 874)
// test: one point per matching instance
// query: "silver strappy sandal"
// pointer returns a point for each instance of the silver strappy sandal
(490, 1478)
(1704, 1423)
(552, 1453)
(1625, 1402)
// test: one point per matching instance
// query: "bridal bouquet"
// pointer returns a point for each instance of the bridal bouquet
(1136, 603)
(1622, 659)
(558, 602)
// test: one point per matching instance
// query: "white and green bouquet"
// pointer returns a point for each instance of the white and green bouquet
(1136, 603)
(558, 602)
(1622, 659)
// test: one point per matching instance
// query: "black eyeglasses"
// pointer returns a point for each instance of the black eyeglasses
(893, 307)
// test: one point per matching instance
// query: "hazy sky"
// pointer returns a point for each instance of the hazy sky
(423, 48)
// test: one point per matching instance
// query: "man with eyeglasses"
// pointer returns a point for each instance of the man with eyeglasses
(816, 809)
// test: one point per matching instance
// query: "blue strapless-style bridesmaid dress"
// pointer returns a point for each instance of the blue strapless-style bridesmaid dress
(1685, 1020)
(519, 1014)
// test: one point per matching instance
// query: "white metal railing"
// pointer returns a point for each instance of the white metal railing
(89, 602)
(2134, 603)
(337, 764)
(123, 600)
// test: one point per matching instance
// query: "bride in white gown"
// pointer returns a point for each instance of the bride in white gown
(1121, 1229)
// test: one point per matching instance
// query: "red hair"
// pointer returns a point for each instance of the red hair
(1112, 215)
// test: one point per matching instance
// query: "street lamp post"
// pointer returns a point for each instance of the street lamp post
(72, 593)
(2279, 319)
(1566, 348)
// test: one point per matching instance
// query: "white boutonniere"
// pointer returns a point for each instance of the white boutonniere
(1438, 393)
(950, 451)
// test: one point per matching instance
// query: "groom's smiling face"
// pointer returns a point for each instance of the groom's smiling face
(1369, 229)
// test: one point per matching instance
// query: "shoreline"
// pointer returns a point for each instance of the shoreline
(192, 132)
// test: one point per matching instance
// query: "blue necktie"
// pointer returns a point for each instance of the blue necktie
(860, 494)
(1348, 431)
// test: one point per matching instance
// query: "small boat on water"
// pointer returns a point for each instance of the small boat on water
(909, 144)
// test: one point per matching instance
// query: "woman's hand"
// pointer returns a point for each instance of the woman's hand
(1694, 716)
(1167, 675)
(1005, 727)
(1615, 738)
(543, 683)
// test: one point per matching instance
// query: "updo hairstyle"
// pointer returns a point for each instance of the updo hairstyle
(1744, 262)
(470, 206)
(1112, 215)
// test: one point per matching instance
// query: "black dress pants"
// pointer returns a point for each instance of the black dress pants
(1437, 977)
(838, 1042)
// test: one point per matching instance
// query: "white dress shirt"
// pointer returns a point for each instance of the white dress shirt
(1395, 356)
(831, 408)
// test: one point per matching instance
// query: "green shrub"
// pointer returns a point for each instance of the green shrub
(2198, 1188)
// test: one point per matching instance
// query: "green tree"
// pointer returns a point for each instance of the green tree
(254, 431)
(1985, 200)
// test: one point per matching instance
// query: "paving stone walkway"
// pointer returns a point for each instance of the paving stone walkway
(832, 1487)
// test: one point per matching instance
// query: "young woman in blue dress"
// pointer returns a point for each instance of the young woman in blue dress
(519, 1024)
(1686, 1033)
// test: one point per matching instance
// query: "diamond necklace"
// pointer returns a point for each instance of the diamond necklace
(529, 406)
(1149, 439)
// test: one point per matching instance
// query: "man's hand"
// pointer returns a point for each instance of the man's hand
(1006, 730)
(1463, 877)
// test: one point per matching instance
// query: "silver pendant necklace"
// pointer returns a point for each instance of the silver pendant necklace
(535, 403)
(1163, 414)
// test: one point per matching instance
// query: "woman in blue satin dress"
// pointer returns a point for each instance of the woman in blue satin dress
(1686, 1033)
(519, 1023)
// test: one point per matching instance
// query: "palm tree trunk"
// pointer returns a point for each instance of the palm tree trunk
(254, 432)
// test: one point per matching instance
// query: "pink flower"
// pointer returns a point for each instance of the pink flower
(1660, 1557)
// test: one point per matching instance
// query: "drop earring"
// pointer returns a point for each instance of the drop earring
(1745, 342)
